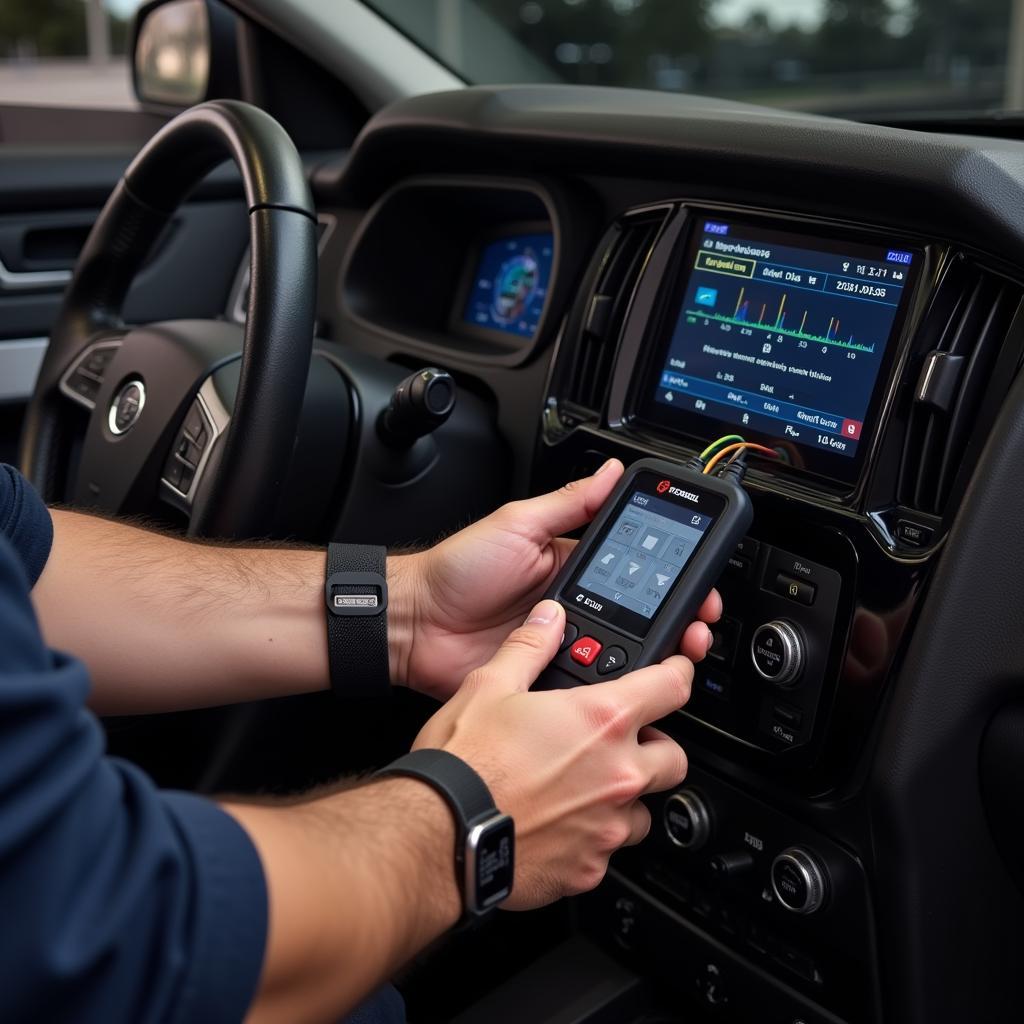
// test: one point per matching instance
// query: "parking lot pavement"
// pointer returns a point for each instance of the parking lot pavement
(67, 83)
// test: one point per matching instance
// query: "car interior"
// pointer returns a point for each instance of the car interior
(413, 292)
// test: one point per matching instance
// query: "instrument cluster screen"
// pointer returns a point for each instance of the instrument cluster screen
(783, 338)
(509, 286)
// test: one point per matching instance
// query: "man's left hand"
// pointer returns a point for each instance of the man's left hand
(471, 590)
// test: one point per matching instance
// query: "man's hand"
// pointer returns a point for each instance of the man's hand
(570, 766)
(472, 589)
(362, 880)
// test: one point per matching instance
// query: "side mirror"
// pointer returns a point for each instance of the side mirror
(184, 52)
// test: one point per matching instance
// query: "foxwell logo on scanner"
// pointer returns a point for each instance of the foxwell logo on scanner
(666, 485)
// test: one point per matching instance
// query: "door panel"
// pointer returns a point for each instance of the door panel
(50, 196)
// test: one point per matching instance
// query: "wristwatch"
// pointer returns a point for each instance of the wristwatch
(357, 626)
(484, 837)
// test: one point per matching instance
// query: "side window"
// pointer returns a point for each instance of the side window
(66, 53)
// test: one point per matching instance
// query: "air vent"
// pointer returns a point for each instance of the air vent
(623, 254)
(962, 333)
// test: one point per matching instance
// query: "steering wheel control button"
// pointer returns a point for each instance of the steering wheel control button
(798, 590)
(127, 407)
(687, 820)
(799, 881)
(97, 361)
(585, 651)
(613, 660)
(194, 421)
(569, 636)
(82, 382)
(777, 651)
(172, 474)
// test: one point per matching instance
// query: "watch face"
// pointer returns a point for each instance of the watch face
(490, 862)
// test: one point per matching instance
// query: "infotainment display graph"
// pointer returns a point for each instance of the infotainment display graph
(783, 336)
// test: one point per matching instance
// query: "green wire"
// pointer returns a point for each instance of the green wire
(728, 439)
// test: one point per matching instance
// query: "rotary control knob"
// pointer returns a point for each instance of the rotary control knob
(777, 650)
(687, 820)
(799, 881)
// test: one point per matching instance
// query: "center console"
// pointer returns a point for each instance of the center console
(874, 364)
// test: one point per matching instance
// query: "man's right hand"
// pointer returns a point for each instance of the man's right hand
(569, 766)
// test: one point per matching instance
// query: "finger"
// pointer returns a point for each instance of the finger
(639, 824)
(528, 650)
(696, 641)
(571, 506)
(711, 609)
(664, 761)
(653, 692)
(651, 732)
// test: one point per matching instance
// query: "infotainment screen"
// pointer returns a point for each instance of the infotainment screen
(783, 337)
(509, 286)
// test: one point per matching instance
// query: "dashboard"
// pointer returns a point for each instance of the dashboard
(611, 274)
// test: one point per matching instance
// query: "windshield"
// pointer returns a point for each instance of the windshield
(869, 59)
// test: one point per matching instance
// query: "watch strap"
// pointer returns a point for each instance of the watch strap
(462, 788)
(357, 630)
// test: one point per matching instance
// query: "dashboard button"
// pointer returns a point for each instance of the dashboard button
(799, 881)
(796, 589)
(777, 651)
(724, 634)
(613, 660)
(571, 632)
(748, 548)
(714, 684)
(788, 715)
(912, 534)
(687, 820)
(739, 566)
(585, 650)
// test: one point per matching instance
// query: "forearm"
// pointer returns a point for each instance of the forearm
(358, 883)
(166, 624)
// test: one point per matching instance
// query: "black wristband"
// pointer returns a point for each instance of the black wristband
(484, 837)
(357, 629)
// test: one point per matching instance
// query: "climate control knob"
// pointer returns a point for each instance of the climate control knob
(687, 820)
(777, 650)
(799, 880)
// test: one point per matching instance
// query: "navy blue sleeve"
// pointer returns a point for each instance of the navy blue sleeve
(25, 521)
(117, 902)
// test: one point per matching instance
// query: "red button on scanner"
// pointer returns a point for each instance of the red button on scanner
(585, 650)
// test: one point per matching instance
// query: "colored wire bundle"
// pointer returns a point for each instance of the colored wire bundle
(736, 450)
(704, 455)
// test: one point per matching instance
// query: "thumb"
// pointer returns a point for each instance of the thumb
(528, 650)
(573, 505)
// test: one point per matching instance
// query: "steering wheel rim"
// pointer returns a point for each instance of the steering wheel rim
(241, 495)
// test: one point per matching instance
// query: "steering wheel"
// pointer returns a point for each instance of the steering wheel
(202, 413)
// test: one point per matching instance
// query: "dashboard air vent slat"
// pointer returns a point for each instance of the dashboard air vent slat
(623, 254)
(964, 330)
